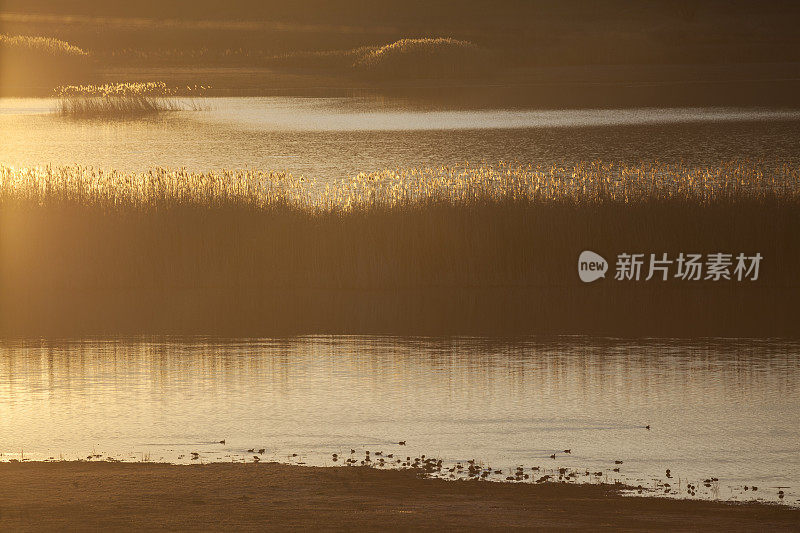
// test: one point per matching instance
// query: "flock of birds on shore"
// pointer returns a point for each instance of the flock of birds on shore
(473, 470)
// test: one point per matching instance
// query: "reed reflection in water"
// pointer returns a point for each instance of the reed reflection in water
(729, 409)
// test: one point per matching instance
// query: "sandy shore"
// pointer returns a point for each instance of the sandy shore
(112, 496)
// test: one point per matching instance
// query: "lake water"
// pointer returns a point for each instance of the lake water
(716, 408)
(723, 409)
(329, 138)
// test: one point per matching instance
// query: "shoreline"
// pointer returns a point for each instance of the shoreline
(85, 495)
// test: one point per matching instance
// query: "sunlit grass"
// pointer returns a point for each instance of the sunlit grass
(119, 100)
(445, 250)
(46, 45)
(429, 57)
(586, 184)
(37, 64)
(109, 90)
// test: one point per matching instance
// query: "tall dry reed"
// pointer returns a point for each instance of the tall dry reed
(115, 100)
(450, 250)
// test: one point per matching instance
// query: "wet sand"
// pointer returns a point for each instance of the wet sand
(113, 496)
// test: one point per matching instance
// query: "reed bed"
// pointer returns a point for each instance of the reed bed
(116, 100)
(44, 45)
(37, 63)
(428, 57)
(587, 184)
(447, 250)
(440, 57)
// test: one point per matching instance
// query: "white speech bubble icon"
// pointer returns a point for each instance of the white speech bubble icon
(591, 266)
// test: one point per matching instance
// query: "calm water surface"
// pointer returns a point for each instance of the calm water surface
(723, 409)
(328, 138)
(716, 408)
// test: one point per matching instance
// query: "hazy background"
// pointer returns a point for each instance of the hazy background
(538, 32)
(543, 52)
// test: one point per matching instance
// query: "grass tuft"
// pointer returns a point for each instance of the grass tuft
(430, 57)
(44, 45)
(115, 100)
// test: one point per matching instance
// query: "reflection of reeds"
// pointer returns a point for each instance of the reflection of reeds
(117, 106)
(443, 250)
(115, 99)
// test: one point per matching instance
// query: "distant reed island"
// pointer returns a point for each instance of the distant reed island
(436, 251)
(114, 100)
(123, 100)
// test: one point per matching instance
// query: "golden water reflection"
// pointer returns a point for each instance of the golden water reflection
(729, 409)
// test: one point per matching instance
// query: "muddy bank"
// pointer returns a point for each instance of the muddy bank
(88, 496)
